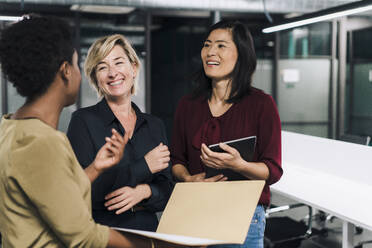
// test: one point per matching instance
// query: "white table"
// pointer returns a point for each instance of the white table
(329, 175)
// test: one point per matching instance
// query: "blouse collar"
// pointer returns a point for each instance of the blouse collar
(109, 116)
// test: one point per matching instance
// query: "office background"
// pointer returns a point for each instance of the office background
(320, 75)
(298, 67)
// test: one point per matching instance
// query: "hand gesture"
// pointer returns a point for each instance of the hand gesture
(221, 160)
(158, 158)
(126, 197)
(110, 153)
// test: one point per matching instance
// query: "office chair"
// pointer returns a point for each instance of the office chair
(285, 232)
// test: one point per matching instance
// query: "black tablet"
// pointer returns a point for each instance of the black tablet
(245, 146)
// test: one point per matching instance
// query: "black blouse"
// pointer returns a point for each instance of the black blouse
(87, 131)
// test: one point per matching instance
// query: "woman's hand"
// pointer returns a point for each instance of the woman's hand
(201, 178)
(125, 198)
(110, 153)
(158, 158)
(229, 159)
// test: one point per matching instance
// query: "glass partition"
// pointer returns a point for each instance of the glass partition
(303, 88)
(303, 92)
(263, 76)
(359, 84)
(307, 41)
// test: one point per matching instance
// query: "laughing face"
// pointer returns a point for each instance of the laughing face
(116, 74)
(219, 55)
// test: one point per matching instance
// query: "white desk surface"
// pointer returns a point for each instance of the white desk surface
(343, 159)
(330, 175)
(346, 199)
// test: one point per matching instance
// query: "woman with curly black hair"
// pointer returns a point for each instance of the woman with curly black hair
(45, 194)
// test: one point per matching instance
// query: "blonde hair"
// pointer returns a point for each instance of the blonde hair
(100, 49)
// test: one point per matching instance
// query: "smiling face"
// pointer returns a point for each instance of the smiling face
(116, 74)
(219, 55)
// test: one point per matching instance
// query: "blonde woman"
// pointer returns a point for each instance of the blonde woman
(129, 194)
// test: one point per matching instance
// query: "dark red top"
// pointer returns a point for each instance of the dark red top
(256, 114)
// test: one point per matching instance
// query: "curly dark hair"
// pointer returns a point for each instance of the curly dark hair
(32, 51)
(241, 78)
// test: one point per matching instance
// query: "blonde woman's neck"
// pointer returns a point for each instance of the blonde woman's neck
(121, 106)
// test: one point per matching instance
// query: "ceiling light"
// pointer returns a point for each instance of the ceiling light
(292, 15)
(323, 15)
(11, 18)
(103, 9)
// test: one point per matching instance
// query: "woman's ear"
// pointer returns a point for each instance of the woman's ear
(65, 71)
(135, 69)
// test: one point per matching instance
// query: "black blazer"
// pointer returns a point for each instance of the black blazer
(87, 131)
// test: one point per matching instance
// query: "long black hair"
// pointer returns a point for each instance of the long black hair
(241, 78)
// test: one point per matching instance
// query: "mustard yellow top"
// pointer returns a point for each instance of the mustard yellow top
(45, 196)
